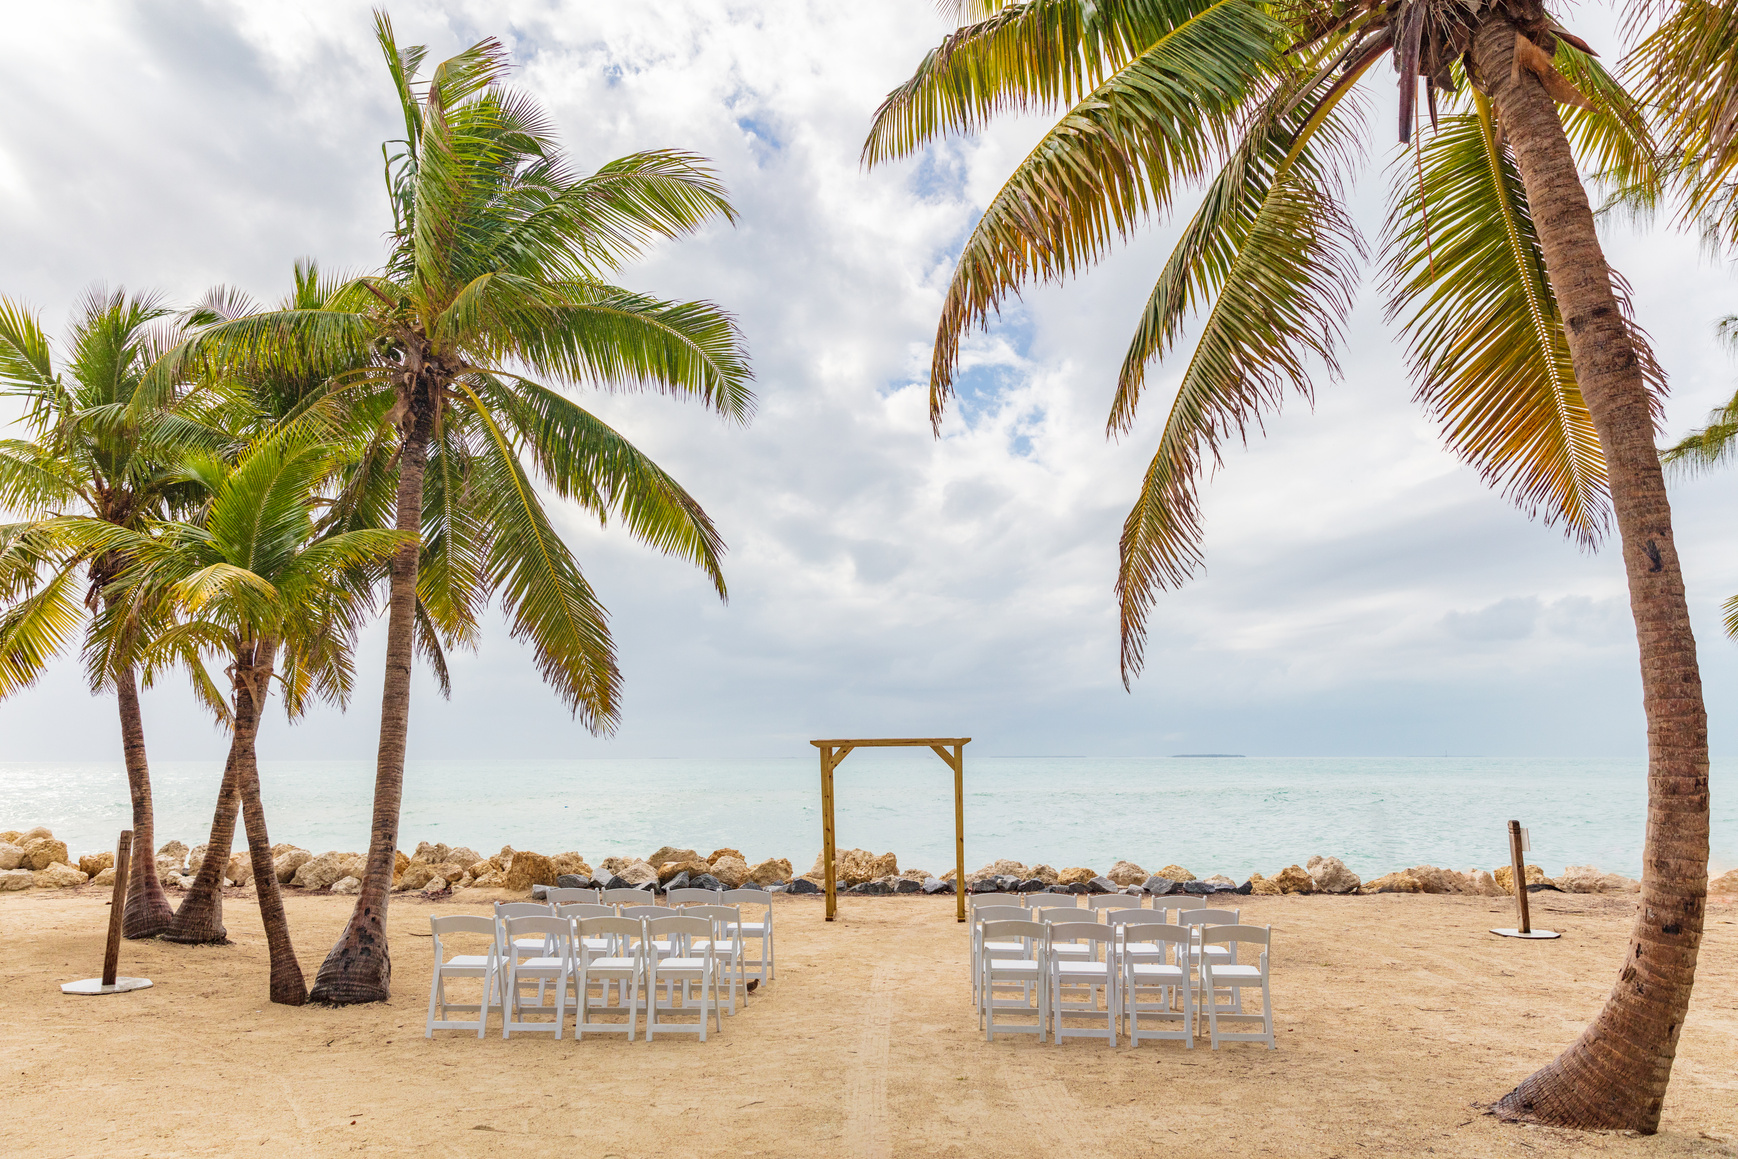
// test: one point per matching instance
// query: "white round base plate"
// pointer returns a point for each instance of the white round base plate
(1532, 934)
(95, 986)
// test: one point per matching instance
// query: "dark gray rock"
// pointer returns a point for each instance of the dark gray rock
(907, 885)
(802, 885)
(569, 881)
(1101, 885)
(540, 892)
(873, 888)
(1008, 882)
(680, 881)
(987, 885)
(1198, 888)
(617, 882)
(1542, 886)
(1159, 885)
(935, 885)
(754, 886)
(705, 881)
(1246, 888)
(1032, 886)
(1077, 887)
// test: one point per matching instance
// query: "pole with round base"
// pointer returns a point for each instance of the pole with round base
(1518, 843)
(110, 983)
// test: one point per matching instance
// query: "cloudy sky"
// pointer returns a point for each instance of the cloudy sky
(1363, 595)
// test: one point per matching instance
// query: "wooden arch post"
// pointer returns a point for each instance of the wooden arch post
(951, 749)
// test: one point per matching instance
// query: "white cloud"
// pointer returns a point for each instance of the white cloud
(1363, 592)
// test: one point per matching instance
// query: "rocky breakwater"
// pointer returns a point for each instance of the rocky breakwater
(34, 859)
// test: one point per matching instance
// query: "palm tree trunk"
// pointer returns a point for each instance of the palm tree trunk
(287, 985)
(148, 911)
(1614, 1076)
(358, 968)
(199, 918)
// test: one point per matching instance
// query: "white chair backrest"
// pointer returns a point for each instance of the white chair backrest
(1079, 932)
(646, 911)
(538, 926)
(611, 927)
(1002, 913)
(1034, 900)
(1179, 901)
(523, 909)
(693, 896)
(1067, 914)
(1208, 917)
(679, 925)
(584, 909)
(446, 927)
(724, 916)
(1157, 932)
(567, 896)
(1007, 931)
(1259, 935)
(747, 897)
(1137, 917)
(626, 896)
(1113, 901)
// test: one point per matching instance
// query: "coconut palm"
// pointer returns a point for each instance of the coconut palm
(86, 455)
(254, 581)
(1519, 336)
(497, 272)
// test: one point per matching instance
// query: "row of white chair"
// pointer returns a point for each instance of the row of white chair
(760, 931)
(1135, 952)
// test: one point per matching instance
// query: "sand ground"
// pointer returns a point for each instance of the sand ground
(1397, 1017)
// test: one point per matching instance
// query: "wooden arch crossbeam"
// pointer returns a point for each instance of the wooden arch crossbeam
(951, 749)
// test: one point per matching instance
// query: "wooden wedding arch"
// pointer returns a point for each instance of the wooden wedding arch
(951, 749)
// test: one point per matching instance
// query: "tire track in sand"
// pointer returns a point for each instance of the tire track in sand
(867, 1132)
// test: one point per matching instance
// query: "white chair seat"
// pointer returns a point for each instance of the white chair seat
(1014, 966)
(611, 964)
(1229, 971)
(1004, 947)
(595, 943)
(542, 964)
(752, 929)
(669, 964)
(1070, 950)
(1142, 970)
(1141, 948)
(466, 962)
(1082, 969)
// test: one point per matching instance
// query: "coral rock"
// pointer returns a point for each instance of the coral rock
(42, 852)
(712, 858)
(1075, 874)
(637, 873)
(1331, 875)
(770, 872)
(569, 862)
(1402, 882)
(104, 877)
(1505, 877)
(11, 856)
(347, 885)
(670, 870)
(1726, 883)
(1587, 879)
(432, 853)
(671, 853)
(732, 871)
(1263, 886)
(57, 876)
(11, 879)
(320, 872)
(1043, 873)
(33, 834)
(240, 869)
(416, 875)
(1176, 873)
(1295, 879)
(90, 864)
(1127, 873)
(529, 869)
(286, 863)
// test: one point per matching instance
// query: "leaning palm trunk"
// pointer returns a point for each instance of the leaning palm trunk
(1614, 1076)
(358, 968)
(287, 986)
(148, 911)
(199, 918)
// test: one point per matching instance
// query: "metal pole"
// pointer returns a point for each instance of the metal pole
(117, 907)
(1520, 872)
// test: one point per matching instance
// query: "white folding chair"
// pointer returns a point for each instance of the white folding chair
(1199, 919)
(624, 967)
(556, 967)
(1026, 972)
(766, 968)
(632, 895)
(577, 910)
(725, 946)
(1000, 949)
(1104, 901)
(526, 947)
(656, 947)
(481, 966)
(1039, 900)
(1167, 973)
(1235, 976)
(567, 895)
(693, 897)
(1067, 950)
(1093, 972)
(1179, 901)
(695, 964)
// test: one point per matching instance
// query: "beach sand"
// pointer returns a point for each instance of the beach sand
(1397, 1015)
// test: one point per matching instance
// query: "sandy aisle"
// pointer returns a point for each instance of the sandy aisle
(864, 1047)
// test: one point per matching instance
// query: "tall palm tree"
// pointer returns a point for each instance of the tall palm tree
(498, 266)
(1519, 335)
(87, 454)
(253, 581)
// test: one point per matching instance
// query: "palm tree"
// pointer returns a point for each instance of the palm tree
(1519, 335)
(498, 266)
(254, 581)
(88, 455)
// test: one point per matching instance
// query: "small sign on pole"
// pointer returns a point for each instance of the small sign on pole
(1519, 842)
(110, 982)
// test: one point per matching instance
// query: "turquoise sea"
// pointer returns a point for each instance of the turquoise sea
(1210, 815)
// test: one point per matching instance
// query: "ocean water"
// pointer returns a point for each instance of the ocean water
(1210, 815)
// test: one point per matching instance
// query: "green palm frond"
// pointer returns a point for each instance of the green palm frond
(586, 461)
(36, 628)
(1278, 258)
(452, 575)
(1486, 340)
(1613, 139)
(1688, 73)
(1115, 159)
(545, 596)
(1018, 58)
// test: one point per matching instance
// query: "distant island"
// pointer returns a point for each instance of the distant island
(1176, 755)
